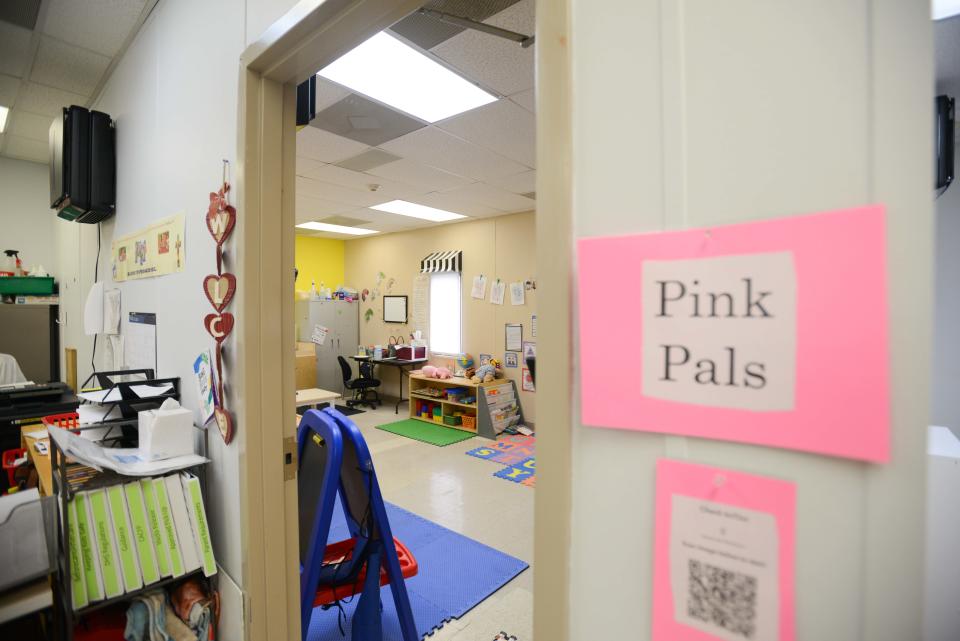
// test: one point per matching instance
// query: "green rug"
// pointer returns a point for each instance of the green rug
(426, 432)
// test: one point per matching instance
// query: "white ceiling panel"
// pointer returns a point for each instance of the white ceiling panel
(522, 183)
(361, 182)
(47, 101)
(492, 197)
(526, 99)
(9, 87)
(67, 67)
(25, 148)
(338, 193)
(437, 148)
(419, 175)
(502, 126)
(326, 147)
(14, 49)
(28, 125)
(458, 203)
(329, 93)
(500, 64)
(310, 208)
(98, 25)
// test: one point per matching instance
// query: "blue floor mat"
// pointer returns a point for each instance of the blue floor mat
(456, 573)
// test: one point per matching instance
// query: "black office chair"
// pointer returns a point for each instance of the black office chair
(363, 386)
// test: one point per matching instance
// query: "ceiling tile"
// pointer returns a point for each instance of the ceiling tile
(426, 31)
(28, 125)
(14, 49)
(434, 147)
(420, 175)
(363, 120)
(98, 25)
(501, 126)
(47, 101)
(370, 159)
(67, 67)
(326, 147)
(337, 193)
(8, 90)
(25, 148)
(521, 183)
(457, 203)
(355, 180)
(310, 208)
(493, 197)
(500, 64)
(526, 99)
(329, 93)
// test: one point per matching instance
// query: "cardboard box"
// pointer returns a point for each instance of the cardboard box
(306, 366)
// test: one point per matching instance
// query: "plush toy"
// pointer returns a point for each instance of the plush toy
(436, 372)
(485, 374)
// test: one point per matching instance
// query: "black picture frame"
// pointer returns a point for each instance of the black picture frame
(393, 318)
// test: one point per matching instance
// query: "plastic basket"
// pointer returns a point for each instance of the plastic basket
(469, 422)
(452, 420)
(9, 459)
(68, 421)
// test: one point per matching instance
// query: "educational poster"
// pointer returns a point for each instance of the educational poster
(526, 380)
(772, 332)
(157, 250)
(203, 371)
(529, 350)
(723, 555)
(510, 359)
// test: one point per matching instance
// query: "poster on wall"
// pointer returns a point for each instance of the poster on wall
(723, 555)
(772, 332)
(156, 250)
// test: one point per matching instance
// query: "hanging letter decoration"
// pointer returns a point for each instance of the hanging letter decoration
(219, 289)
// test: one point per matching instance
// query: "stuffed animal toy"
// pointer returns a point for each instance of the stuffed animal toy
(436, 372)
(485, 374)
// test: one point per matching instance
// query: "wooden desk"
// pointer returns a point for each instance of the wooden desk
(405, 367)
(40, 461)
(315, 396)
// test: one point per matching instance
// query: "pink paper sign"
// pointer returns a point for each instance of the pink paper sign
(772, 333)
(723, 555)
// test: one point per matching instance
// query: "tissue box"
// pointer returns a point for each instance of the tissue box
(165, 433)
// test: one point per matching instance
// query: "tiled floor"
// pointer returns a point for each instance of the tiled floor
(459, 492)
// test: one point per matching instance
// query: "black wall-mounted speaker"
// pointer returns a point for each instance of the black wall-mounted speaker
(83, 165)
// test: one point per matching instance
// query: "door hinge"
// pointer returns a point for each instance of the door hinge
(289, 458)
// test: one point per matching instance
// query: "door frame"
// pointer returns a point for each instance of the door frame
(311, 34)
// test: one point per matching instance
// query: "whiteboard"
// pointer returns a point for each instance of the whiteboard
(395, 309)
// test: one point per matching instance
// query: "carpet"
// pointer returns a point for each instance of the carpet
(456, 573)
(426, 432)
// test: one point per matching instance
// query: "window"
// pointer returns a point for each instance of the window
(445, 313)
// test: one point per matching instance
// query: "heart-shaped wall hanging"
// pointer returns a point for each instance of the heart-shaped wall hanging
(220, 290)
(224, 423)
(220, 220)
(219, 325)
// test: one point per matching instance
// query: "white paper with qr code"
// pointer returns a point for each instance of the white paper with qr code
(724, 570)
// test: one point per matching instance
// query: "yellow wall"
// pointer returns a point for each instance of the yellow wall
(502, 247)
(319, 260)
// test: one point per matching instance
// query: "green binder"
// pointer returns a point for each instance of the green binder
(198, 519)
(106, 545)
(123, 535)
(169, 529)
(156, 529)
(141, 532)
(88, 546)
(78, 584)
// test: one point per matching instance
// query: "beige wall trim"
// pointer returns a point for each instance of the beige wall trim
(554, 372)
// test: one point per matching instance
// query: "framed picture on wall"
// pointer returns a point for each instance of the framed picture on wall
(395, 309)
(510, 359)
(527, 381)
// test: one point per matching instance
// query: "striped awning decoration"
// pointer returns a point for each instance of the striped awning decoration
(448, 261)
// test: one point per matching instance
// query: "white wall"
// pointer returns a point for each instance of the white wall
(26, 221)
(945, 408)
(174, 99)
(701, 113)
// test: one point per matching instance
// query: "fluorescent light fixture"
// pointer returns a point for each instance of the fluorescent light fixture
(414, 210)
(337, 229)
(945, 8)
(4, 112)
(396, 74)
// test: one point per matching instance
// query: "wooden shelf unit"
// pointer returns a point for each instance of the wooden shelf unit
(482, 410)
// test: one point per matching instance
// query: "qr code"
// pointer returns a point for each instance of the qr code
(724, 598)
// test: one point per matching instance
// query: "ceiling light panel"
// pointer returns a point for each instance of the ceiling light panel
(396, 74)
(404, 208)
(945, 8)
(336, 229)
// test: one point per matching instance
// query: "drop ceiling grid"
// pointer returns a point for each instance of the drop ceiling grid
(98, 25)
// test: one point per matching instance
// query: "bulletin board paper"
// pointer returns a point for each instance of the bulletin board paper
(828, 327)
(156, 250)
(724, 545)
